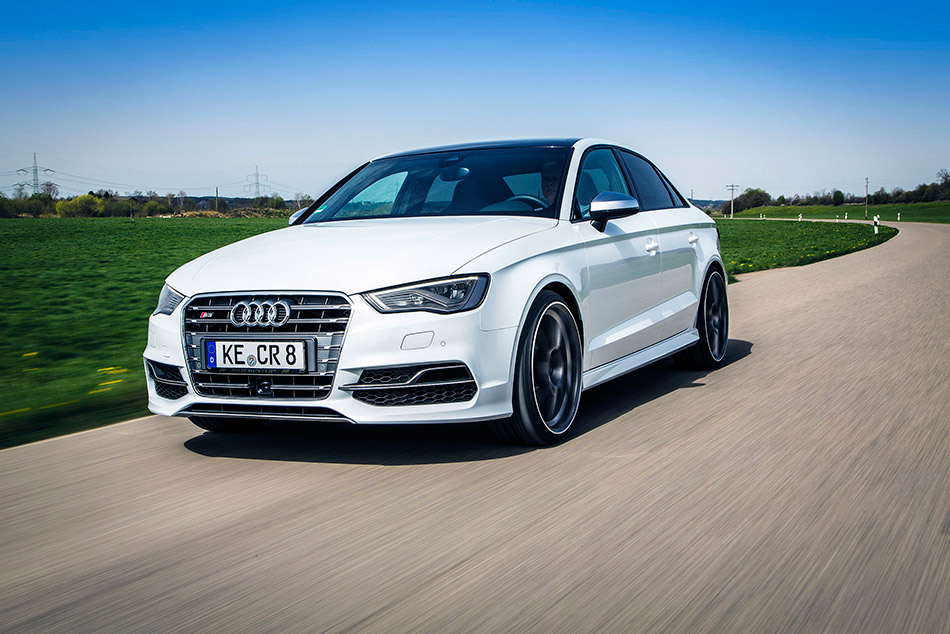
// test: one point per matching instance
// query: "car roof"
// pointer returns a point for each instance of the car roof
(489, 145)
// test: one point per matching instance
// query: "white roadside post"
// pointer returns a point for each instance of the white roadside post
(898, 216)
(846, 215)
(876, 222)
(799, 217)
(836, 217)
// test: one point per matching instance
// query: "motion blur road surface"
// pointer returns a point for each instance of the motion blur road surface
(805, 486)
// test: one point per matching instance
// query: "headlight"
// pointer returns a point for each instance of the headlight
(168, 300)
(449, 295)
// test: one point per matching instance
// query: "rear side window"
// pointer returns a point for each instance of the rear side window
(653, 193)
(677, 197)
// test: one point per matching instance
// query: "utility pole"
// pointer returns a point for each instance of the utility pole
(732, 200)
(216, 198)
(690, 194)
(865, 197)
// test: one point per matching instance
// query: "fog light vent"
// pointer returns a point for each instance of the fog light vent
(430, 384)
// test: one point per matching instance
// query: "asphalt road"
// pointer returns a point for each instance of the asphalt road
(805, 486)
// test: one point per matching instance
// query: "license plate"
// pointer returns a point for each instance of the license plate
(256, 355)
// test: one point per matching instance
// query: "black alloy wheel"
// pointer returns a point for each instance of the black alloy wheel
(717, 317)
(547, 386)
(712, 322)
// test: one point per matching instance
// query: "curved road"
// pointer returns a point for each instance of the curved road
(803, 487)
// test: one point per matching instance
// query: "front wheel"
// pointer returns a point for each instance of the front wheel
(547, 387)
(712, 322)
(228, 425)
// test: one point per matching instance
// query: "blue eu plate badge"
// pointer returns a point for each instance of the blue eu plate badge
(212, 360)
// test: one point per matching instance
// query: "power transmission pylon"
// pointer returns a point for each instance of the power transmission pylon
(36, 174)
(256, 185)
(732, 200)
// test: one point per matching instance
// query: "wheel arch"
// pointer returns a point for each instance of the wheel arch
(569, 298)
(563, 287)
(716, 264)
(713, 264)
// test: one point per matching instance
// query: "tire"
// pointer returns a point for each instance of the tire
(712, 322)
(547, 385)
(228, 425)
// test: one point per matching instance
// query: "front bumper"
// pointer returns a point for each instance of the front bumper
(373, 340)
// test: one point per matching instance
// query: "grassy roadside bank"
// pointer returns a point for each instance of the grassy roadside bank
(938, 211)
(79, 292)
(755, 245)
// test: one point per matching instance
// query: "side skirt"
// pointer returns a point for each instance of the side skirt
(639, 359)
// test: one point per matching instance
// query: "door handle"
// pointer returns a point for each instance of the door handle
(693, 239)
(652, 247)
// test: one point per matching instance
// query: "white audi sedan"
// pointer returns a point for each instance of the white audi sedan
(478, 282)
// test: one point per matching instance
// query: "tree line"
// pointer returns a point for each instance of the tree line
(938, 190)
(107, 203)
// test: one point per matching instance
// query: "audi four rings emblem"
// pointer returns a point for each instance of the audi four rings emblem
(266, 313)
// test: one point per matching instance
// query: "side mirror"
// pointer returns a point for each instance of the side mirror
(609, 205)
(294, 217)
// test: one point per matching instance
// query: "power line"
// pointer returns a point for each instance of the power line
(290, 188)
(124, 170)
(257, 183)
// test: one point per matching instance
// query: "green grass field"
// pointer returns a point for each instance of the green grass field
(754, 245)
(79, 292)
(911, 212)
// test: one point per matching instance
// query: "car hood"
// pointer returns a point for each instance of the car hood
(351, 256)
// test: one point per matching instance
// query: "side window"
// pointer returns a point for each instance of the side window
(599, 173)
(653, 193)
(677, 197)
(377, 199)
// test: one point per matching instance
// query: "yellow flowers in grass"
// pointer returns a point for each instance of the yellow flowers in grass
(15, 411)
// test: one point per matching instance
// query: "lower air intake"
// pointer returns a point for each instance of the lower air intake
(432, 384)
(168, 381)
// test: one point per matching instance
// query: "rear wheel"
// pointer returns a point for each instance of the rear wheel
(547, 388)
(712, 322)
(228, 425)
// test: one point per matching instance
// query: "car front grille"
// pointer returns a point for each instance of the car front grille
(319, 320)
(430, 384)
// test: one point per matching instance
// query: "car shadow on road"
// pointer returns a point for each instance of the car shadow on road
(434, 444)
(606, 402)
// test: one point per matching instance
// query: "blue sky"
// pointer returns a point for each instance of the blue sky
(792, 98)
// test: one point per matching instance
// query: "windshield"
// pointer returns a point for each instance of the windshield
(489, 182)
